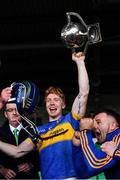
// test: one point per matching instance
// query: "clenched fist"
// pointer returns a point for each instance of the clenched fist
(86, 123)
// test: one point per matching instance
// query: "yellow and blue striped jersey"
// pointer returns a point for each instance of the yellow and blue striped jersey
(56, 147)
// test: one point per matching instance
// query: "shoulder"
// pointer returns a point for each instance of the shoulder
(116, 137)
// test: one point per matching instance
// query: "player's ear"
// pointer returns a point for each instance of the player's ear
(113, 126)
(63, 105)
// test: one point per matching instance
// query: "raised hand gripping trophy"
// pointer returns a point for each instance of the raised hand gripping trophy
(76, 35)
(26, 95)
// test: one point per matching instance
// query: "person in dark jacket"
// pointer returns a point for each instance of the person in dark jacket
(26, 167)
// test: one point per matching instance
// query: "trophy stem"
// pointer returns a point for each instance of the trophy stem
(86, 47)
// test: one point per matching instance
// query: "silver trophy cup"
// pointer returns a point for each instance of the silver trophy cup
(76, 35)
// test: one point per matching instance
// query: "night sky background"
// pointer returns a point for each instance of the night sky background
(31, 46)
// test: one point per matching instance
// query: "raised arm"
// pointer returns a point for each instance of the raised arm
(17, 151)
(80, 102)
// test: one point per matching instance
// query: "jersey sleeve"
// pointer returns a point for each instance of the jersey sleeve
(95, 159)
(117, 154)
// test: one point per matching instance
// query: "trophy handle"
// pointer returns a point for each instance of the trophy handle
(68, 14)
(94, 33)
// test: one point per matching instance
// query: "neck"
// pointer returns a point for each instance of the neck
(54, 118)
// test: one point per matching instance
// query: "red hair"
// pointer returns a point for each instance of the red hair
(55, 90)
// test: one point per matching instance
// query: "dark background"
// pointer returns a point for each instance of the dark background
(31, 47)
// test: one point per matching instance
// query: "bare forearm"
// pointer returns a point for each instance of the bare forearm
(8, 149)
(16, 151)
(80, 102)
(83, 80)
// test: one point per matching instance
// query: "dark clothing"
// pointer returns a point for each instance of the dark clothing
(12, 163)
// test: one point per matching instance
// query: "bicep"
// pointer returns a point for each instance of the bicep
(79, 105)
